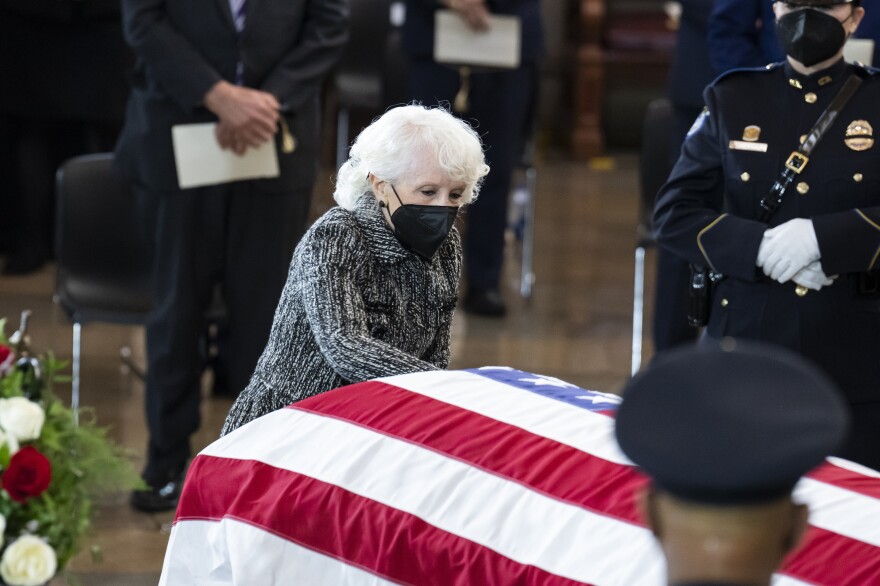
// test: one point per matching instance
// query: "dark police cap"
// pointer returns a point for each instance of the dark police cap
(735, 424)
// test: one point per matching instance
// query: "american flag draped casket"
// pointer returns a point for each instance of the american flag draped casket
(471, 477)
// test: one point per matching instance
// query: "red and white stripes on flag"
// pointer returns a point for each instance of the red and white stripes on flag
(488, 476)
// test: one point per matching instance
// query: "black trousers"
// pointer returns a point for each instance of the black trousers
(499, 106)
(671, 327)
(232, 235)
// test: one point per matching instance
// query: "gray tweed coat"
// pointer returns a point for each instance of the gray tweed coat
(356, 306)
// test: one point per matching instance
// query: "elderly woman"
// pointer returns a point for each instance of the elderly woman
(373, 283)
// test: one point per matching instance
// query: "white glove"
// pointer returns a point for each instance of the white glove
(788, 248)
(812, 277)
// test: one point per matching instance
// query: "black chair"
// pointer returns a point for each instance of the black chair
(102, 251)
(371, 73)
(654, 167)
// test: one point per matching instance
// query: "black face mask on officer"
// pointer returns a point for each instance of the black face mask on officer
(810, 36)
(422, 228)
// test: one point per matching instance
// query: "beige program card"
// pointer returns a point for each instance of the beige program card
(200, 160)
(456, 43)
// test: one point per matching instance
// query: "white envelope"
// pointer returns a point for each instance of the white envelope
(456, 43)
(859, 50)
(201, 161)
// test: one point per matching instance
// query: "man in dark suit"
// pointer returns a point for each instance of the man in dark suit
(64, 90)
(255, 68)
(806, 276)
(498, 104)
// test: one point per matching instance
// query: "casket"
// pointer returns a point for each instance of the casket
(471, 477)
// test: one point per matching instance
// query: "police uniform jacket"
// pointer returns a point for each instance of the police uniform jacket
(357, 305)
(708, 213)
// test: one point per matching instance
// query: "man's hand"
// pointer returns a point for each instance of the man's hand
(788, 248)
(813, 277)
(248, 117)
(474, 12)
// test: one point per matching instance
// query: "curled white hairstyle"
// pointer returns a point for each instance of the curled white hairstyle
(395, 145)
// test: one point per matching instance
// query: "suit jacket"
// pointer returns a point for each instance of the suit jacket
(418, 30)
(184, 48)
(65, 60)
(691, 70)
(708, 213)
(735, 41)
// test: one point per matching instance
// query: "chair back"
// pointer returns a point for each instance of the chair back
(103, 249)
(371, 72)
(655, 162)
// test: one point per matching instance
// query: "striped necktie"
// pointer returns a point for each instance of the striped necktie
(239, 13)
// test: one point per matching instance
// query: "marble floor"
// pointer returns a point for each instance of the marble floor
(576, 326)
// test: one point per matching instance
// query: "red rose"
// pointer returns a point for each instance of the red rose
(28, 474)
(7, 358)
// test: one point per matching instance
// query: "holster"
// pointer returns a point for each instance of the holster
(699, 296)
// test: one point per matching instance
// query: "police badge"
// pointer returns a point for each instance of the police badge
(859, 135)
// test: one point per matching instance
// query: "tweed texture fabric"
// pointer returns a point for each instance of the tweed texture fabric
(357, 305)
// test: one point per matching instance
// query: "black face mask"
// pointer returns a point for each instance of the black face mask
(810, 36)
(421, 228)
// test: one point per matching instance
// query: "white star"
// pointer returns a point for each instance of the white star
(600, 398)
(547, 381)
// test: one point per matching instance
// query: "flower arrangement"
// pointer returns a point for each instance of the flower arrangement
(53, 463)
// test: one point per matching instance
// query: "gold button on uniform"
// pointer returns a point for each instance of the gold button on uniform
(801, 291)
(803, 187)
(858, 177)
(725, 303)
(745, 176)
(810, 98)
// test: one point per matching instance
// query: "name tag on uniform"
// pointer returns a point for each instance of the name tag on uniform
(742, 145)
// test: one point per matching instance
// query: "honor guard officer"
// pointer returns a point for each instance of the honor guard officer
(777, 196)
(725, 433)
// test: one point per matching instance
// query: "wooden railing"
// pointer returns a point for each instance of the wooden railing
(627, 41)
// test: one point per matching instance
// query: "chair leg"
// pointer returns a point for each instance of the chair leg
(638, 309)
(128, 360)
(341, 137)
(77, 355)
(527, 277)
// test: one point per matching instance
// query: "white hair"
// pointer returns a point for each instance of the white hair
(396, 143)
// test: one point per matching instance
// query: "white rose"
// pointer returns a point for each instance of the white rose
(10, 441)
(21, 418)
(28, 561)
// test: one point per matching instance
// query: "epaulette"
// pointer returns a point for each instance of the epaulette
(741, 70)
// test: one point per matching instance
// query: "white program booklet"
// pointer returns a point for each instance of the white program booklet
(201, 161)
(456, 43)
(859, 51)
